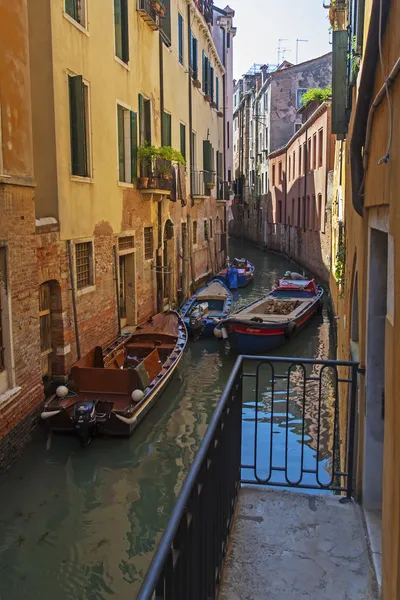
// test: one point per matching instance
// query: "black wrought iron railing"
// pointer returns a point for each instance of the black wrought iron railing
(203, 182)
(277, 423)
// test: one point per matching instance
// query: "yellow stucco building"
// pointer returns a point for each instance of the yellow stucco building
(366, 250)
(109, 78)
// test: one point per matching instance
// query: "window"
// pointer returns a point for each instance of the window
(235, 100)
(297, 126)
(194, 233)
(280, 172)
(193, 148)
(127, 145)
(126, 243)
(292, 211)
(266, 139)
(79, 130)
(304, 158)
(205, 66)
(266, 101)
(84, 265)
(299, 95)
(183, 140)
(320, 147)
(290, 167)
(309, 155)
(229, 175)
(148, 243)
(144, 120)
(206, 238)
(165, 23)
(228, 130)
(77, 10)
(217, 92)
(211, 229)
(194, 50)
(166, 129)
(298, 212)
(183, 232)
(314, 151)
(273, 174)
(280, 211)
(308, 213)
(121, 30)
(180, 38)
(228, 40)
(294, 165)
(319, 215)
(300, 163)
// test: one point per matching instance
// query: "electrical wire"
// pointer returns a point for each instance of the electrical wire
(385, 158)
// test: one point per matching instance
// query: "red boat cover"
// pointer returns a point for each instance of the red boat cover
(307, 285)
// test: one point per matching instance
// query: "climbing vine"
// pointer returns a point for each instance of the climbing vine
(340, 266)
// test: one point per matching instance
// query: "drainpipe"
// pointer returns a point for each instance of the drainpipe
(305, 181)
(159, 257)
(190, 92)
(73, 290)
(285, 184)
(224, 135)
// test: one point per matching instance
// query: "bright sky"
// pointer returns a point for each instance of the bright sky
(260, 24)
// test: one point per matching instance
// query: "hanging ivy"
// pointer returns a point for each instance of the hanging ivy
(340, 266)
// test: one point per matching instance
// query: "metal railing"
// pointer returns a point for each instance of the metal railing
(271, 410)
(145, 8)
(203, 182)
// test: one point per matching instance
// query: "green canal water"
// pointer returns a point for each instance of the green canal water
(83, 524)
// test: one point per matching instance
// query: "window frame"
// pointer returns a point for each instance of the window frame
(125, 54)
(82, 25)
(195, 233)
(88, 128)
(298, 97)
(130, 148)
(206, 232)
(181, 45)
(92, 285)
(147, 257)
(320, 147)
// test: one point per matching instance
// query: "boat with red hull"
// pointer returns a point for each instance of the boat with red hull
(274, 319)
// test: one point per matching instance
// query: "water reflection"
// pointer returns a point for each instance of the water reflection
(83, 524)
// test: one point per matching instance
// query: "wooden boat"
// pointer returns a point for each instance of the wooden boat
(272, 320)
(206, 308)
(245, 268)
(111, 390)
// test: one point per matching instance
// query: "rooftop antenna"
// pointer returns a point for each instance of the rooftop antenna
(280, 49)
(297, 49)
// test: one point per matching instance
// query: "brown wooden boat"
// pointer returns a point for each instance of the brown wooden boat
(112, 389)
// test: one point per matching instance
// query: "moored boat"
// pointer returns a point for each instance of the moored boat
(245, 272)
(112, 389)
(273, 319)
(206, 308)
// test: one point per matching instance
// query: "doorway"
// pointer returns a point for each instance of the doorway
(126, 281)
(52, 363)
(168, 264)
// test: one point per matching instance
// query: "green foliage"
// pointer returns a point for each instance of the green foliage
(316, 94)
(340, 266)
(168, 153)
(147, 154)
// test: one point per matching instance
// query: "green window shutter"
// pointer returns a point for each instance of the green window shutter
(212, 83)
(204, 68)
(165, 23)
(195, 59)
(78, 126)
(141, 120)
(217, 92)
(121, 144)
(339, 81)
(183, 140)
(134, 147)
(191, 52)
(125, 31)
(166, 132)
(180, 37)
(207, 160)
(147, 121)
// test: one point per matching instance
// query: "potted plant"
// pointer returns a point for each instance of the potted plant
(214, 104)
(220, 114)
(197, 83)
(146, 155)
(207, 98)
(170, 154)
(159, 7)
(210, 185)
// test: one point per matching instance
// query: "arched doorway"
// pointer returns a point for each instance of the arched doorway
(168, 263)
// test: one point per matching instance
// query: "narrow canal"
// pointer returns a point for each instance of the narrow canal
(83, 524)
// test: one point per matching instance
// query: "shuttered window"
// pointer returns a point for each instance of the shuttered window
(84, 264)
(212, 83)
(206, 238)
(121, 29)
(165, 23)
(211, 229)
(144, 120)
(206, 65)
(127, 145)
(217, 92)
(180, 38)
(78, 107)
(183, 140)
(207, 156)
(77, 10)
(194, 49)
(166, 130)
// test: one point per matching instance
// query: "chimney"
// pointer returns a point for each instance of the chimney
(264, 71)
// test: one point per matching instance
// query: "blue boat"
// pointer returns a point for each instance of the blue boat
(202, 312)
(245, 268)
(273, 319)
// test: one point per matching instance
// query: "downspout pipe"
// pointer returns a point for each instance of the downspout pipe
(73, 290)
(224, 109)
(305, 158)
(159, 257)
(365, 91)
(190, 103)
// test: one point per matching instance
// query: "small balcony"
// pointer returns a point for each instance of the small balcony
(148, 13)
(203, 183)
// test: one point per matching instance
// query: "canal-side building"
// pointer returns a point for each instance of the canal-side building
(366, 239)
(21, 387)
(116, 232)
(268, 114)
(300, 190)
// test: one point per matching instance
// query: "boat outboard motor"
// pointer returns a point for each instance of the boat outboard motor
(196, 323)
(84, 420)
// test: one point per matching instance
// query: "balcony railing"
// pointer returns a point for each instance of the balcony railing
(203, 182)
(148, 14)
(206, 8)
(298, 398)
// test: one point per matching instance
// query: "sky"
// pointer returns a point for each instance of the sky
(260, 24)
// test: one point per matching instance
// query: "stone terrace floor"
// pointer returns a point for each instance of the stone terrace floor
(289, 545)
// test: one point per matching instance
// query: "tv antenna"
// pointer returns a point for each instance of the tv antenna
(281, 51)
(297, 49)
